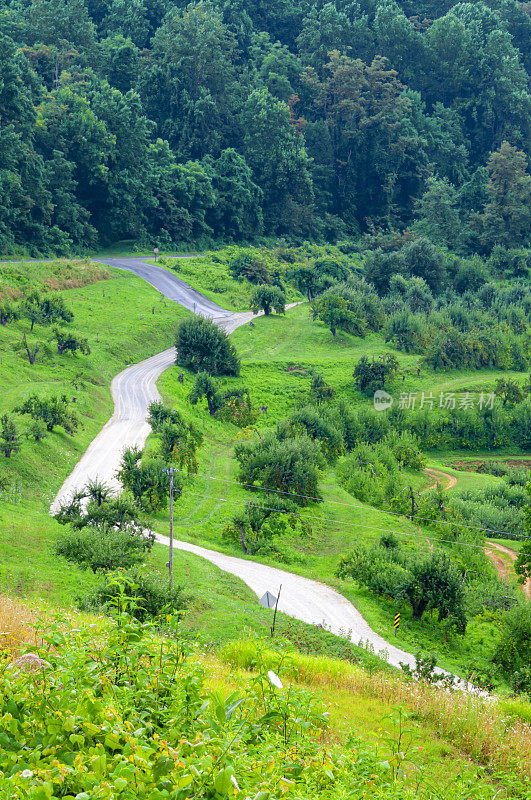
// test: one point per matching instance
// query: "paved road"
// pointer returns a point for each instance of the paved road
(169, 285)
(133, 390)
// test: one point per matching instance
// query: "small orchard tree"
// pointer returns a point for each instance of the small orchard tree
(436, 584)
(336, 313)
(53, 411)
(509, 391)
(146, 480)
(522, 565)
(320, 390)
(179, 442)
(69, 343)
(249, 265)
(45, 310)
(205, 387)
(372, 375)
(9, 438)
(104, 547)
(268, 298)
(8, 312)
(203, 347)
(289, 465)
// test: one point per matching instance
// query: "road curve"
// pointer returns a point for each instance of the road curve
(132, 391)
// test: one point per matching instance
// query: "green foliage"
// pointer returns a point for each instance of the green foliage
(179, 440)
(431, 584)
(67, 342)
(203, 347)
(514, 648)
(337, 314)
(286, 465)
(104, 547)
(145, 479)
(53, 411)
(150, 595)
(112, 677)
(268, 298)
(369, 376)
(9, 437)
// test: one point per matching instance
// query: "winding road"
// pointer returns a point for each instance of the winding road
(132, 391)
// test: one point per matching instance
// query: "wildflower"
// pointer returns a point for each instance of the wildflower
(26, 773)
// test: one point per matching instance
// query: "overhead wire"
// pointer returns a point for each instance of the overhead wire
(343, 522)
(351, 505)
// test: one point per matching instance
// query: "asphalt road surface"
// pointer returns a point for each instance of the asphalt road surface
(132, 391)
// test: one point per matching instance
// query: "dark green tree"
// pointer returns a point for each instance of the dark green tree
(203, 347)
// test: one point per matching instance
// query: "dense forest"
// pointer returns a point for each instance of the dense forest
(165, 122)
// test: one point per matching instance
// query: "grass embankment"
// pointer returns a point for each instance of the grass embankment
(124, 320)
(451, 745)
(277, 355)
(209, 274)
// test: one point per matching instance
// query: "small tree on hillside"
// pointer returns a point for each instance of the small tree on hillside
(203, 347)
(436, 584)
(205, 387)
(369, 376)
(146, 480)
(53, 411)
(9, 438)
(336, 313)
(8, 312)
(104, 547)
(289, 465)
(267, 298)
(45, 310)
(68, 342)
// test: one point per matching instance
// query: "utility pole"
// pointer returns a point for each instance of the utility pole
(171, 472)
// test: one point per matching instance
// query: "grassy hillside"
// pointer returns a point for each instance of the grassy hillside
(144, 326)
(280, 724)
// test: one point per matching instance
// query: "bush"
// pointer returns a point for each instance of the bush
(151, 594)
(249, 265)
(513, 652)
(290, 466)
(203, 347)
(53, 411)
(104, 548)
(369, 376)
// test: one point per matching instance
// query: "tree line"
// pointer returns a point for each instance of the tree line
(169, 123)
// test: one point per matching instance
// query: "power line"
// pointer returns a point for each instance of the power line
(340, 522)
(352, 505)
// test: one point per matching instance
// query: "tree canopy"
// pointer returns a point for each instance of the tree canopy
(167, 123)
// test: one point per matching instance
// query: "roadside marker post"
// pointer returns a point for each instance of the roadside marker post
(396, 623)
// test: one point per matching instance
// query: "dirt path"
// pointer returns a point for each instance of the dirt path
(438, 476)
(501, 564)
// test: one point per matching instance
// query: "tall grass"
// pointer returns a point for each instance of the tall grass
(16, 625)
(494, 734)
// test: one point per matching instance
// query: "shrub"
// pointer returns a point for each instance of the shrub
(9, 438)
(514, 647)
(104, 548)
(150, 592)
(53, 411)
(369, 376)
(203, 347)
(250, 266)
(289, 466)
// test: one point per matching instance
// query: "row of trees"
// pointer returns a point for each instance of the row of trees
(312, 119)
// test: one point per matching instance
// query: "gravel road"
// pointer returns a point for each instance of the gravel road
(132, 391)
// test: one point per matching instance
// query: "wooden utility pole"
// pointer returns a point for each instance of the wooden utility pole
(171, 472)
